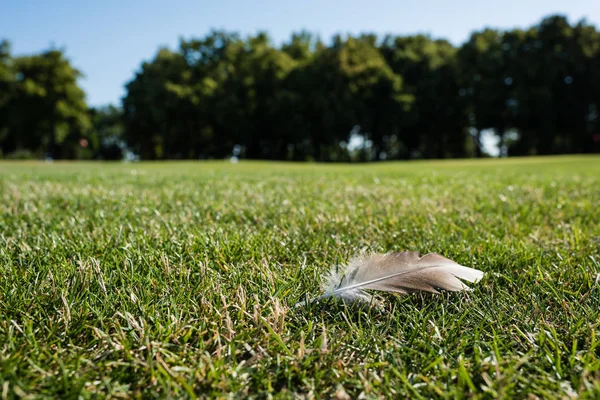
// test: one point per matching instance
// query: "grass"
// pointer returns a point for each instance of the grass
(177, 280)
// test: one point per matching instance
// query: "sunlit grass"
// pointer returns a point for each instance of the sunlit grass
(179, 279)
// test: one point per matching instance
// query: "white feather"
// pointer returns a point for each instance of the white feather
(403, 273)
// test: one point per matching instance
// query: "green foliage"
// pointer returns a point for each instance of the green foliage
(408, 97)
(6, 72)
(153, 103)
(537, 83)
(250, 94)
(178, 280)
(7, 78)
(438, 121)
(21, 154)
(108, 133)
(45, 109)
(220, 95)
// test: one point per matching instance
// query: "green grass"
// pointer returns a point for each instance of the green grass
(178, 280)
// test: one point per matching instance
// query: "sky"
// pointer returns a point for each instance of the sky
(108, 40)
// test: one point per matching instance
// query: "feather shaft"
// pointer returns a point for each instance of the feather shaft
(363, 284)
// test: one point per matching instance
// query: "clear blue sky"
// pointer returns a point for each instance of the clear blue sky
(107, 40)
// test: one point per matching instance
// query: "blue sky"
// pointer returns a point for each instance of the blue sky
(107, 40)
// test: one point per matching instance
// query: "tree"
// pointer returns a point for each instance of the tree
(544, 69)
(325, 99)
(153, 107)
(6, 72)
(213, 63)
(485, 82)
(47, 111)
(7, 79)
(301, 46)
(437, 125)
(591, 142)
(108, 132)
(578, 111)
(376, 94)
(262, 71)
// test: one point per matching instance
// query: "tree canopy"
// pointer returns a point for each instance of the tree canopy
(355, 98)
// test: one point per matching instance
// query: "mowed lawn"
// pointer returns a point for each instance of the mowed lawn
(179, 279)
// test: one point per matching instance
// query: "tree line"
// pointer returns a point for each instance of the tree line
(356, 98)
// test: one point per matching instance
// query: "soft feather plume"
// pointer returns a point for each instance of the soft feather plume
(405, 272)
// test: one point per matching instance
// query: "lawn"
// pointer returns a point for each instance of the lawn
(179, 279)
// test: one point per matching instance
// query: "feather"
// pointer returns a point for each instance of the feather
(403, 273)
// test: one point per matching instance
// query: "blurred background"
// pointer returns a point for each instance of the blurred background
(304, 81)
